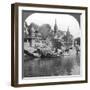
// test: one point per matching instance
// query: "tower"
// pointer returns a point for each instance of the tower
(68, 32)
(55, 27)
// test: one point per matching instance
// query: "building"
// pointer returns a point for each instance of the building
(68, 39)
(55, 27)
(62, 37)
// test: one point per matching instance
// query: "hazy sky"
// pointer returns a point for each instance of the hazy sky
(64, 21)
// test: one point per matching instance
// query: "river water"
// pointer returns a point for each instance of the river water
(65, 65)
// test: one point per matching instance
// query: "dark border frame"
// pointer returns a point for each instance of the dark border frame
(14, 43)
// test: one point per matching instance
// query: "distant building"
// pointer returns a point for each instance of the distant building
(68, 39)
(58, 33)
(55, 27)
(57, 41)
(62, 37)
(44, 36)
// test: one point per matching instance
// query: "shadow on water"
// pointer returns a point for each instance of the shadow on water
(66, 65)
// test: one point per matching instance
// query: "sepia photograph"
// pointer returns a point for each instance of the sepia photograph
(49, 44)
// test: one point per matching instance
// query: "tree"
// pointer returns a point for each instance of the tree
(44, 30)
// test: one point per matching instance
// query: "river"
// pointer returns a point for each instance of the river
(65, 65)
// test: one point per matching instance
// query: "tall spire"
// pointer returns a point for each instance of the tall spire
(68, 28)
(55, 27)
(68, 32)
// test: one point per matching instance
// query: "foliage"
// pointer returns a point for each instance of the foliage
(45, 30)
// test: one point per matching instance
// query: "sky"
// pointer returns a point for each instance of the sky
(64, 22)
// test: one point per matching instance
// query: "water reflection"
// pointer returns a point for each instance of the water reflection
(66, 65)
